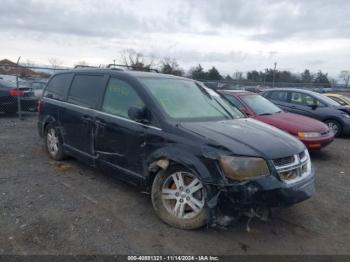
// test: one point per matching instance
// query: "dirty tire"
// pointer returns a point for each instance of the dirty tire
(192, 218)
(53, 143)
(335, 126)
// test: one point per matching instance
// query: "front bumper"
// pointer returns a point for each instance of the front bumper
(317, 142)
(267, 192)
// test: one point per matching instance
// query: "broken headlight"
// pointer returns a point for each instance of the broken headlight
(243, 168)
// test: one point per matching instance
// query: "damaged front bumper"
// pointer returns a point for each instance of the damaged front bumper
(268, 192)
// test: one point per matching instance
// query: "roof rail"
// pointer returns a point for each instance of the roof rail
(135, 68)
(85, 66)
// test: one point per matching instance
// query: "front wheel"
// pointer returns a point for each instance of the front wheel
(335, 126)
(179, 198)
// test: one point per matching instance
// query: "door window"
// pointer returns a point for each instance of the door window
(278, 96)
(304, 99)
(119, 97)
(86, 90)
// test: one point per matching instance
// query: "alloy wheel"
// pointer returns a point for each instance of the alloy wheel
(183, 195)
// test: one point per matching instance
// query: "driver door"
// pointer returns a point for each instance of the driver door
(119, 141)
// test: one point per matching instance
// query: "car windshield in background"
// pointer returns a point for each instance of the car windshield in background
(185, 100)
(260, 105)
(327, 100)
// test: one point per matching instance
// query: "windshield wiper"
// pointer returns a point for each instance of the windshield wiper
(265, 114)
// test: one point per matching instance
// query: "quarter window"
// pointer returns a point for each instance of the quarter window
(58, 86)
(119, 97)
(86, 90)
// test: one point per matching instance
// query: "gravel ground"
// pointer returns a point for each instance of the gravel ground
(48, 207)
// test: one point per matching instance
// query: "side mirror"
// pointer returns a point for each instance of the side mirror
(314, 106)
(138, 114)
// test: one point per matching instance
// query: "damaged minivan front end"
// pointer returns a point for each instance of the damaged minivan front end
(255, 170)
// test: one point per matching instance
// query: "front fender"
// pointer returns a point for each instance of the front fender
(189, 160)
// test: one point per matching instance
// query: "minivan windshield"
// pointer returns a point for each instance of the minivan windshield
(186, 100)
(326, 99)
(260, 105)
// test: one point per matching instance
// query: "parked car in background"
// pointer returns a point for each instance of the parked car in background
(9, 97)
(176, 138)
(341, 99)
(38, 87)
(313, 105)
(313, 133)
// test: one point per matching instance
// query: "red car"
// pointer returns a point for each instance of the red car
(313, 133)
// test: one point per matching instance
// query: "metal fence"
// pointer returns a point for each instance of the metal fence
(21, 87)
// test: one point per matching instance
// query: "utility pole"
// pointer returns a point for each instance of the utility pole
(273, 75)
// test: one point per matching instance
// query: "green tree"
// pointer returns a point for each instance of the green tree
(306, 76)
(198, 73)
(213, 74)
(322, 79)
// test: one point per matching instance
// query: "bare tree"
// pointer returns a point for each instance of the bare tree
(55, 62)
(345, 75)
(136, 60)
(81, 63)
(238, 75)
(171, 67)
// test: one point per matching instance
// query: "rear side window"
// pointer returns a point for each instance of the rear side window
(119, 97)
(278, 96)
(86, 90)
(58, 86)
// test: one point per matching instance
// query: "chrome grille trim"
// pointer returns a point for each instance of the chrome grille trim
(295, 171)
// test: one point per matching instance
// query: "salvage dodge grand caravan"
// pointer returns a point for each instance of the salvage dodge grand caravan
(197, 156)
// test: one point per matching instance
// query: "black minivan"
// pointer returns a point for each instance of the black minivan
(197, 155)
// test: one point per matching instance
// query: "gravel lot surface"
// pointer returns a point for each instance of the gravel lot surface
(49, 207)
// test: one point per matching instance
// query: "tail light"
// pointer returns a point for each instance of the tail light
(38, 105)
(16, 92)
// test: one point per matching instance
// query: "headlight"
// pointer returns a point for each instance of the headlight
(308, 134)
(345, 115)
(244, 168)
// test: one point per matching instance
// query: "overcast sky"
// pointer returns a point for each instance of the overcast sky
(229, 34)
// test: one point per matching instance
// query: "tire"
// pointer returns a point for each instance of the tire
(335, 126)
(180, 190)
(53, 143)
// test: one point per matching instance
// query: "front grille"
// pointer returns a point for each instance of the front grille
(293, 168)
(284, 161)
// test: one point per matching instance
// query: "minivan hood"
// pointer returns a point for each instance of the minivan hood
(247, 137)
(293, 123)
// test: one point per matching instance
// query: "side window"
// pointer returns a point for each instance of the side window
(278, 96)
(119, 97)
(233, 100)
(58, 86)
(86, 90)
(304, 99)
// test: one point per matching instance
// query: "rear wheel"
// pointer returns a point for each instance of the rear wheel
(53, 143)
(335, 126)
(178, 197)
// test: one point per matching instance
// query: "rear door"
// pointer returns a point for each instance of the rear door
(78, 115)
(280, 98)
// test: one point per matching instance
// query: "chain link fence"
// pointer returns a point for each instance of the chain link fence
(21, 87)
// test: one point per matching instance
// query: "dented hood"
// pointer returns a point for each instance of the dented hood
(247, 137)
